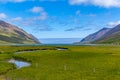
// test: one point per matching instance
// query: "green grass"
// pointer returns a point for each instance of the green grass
(76, 63)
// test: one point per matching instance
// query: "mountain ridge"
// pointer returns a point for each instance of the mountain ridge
(10, 34)
(95, 36)
(111, 36)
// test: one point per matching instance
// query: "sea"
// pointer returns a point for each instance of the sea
(54, 42)
(59, 40)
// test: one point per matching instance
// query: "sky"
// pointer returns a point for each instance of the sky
(61, 18)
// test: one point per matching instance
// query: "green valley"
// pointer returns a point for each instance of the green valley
(49, 63)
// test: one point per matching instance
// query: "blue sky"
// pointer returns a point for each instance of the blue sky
(61, 18)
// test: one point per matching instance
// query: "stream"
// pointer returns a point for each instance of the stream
(61, 49)
(21, 64)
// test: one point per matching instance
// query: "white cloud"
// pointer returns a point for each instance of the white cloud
(112, 24)
(17, 19)
(76, 28)
(44, 27)
(101, 3)
(51, 0)
(3, 16)
(15, 1)
(42, 13)
(74, 2)
(37, 9)
(43, 16)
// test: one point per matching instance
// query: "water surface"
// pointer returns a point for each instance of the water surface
(18, 63)
(59, 40)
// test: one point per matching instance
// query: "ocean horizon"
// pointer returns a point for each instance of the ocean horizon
(59, 40)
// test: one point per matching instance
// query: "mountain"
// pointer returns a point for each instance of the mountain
(10, 34)
(95, 36)
(112, 36)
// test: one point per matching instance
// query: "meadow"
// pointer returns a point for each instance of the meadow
(48, 63)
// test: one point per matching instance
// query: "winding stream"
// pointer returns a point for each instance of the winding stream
(21, 64)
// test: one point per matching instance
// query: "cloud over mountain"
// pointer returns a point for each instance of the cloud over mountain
(113, 23)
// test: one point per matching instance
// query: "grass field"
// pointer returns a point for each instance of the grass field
(48, 63)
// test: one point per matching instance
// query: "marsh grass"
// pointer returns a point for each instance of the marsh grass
(76, 63)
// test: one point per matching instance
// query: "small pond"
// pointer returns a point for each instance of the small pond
(62, 49)
(18, 63)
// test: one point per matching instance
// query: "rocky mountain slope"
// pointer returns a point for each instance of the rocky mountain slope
(95, 36)
(10, 34)
(104, 36)
(112, 36)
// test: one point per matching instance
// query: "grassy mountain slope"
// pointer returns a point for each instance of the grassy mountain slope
(112, 36)
(95, 36)
(12, 34)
